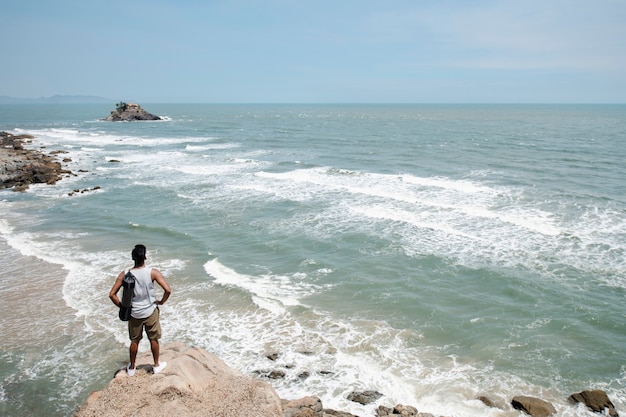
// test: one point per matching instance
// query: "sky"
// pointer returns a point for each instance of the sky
(316, 51)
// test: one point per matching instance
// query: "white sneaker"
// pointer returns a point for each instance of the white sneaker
(157, 369)
(130, 372)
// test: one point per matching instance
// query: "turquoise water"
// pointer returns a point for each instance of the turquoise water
(434, 253)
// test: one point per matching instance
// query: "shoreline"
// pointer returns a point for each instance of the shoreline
(196, 383)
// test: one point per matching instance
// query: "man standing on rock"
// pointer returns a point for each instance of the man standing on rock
(144, 310)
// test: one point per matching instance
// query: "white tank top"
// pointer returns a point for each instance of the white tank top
(143, 298)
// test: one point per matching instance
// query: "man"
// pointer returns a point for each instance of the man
(144, 311)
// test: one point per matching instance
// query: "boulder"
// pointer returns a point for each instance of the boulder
(194, 383)
(596, 400)
(383, 411)
(486, 400)
(405, 410)
(534, 407)
(364, 397)
(399, 410)
(304, 407)
(334, 413)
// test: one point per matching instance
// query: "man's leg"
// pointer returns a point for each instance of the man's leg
(134, 348)
(134, 334)
(154, 346)
(158, 366)
(153, 329)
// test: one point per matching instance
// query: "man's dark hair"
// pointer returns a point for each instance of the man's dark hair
(139, 253)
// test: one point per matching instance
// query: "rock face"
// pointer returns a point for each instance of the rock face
(596, 400)
(399, 411)
(364, 397)
(194, 383)
(21, 167)
(304, 407)
(128, 112)
(534, 407)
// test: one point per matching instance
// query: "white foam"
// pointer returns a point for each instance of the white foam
(482, 227)
(499, 226)
(212, 146)
(269, 291)
(463, 186)
(340, 356)
(98, 139)
(208, 169)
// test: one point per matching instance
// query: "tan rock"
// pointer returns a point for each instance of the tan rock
(534, 407)
(195, 383)
(596, 400)
(304, 407)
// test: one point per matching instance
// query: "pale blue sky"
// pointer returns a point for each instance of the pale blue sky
(392, 51)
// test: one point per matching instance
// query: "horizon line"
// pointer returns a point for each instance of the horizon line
(78, 99)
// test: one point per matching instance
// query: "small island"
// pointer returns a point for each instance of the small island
(128, 112)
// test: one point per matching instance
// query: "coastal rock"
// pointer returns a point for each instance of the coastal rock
(364, 397)
(383, 411)
(271, 374)
(334, 413)
(21, 167)
(310, 406)
(128, 112)
(486, 400)
(596, 400)
(85, 190)
(304, 407)
(195, 383)
(534, 407)
(399, 410)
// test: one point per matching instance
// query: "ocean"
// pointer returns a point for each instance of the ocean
(433, 253)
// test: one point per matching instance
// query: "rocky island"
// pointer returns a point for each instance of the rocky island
(128, 112)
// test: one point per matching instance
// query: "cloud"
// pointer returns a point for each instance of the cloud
(574, 35)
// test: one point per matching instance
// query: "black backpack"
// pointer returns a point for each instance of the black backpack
(127, 296)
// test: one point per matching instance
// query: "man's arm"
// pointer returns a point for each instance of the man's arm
(116, 287)
(158, 277)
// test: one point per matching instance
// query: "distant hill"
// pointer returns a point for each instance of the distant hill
(55, 99)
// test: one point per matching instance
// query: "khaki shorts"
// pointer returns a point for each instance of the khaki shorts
(152, 324)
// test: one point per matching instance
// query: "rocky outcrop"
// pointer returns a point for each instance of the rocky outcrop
(534, 407)
(128, 112)
(20, 167)
(334, 413)
(364, 397)
(399, 411)
(596, 400)
(304, 407)
(194, 383)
